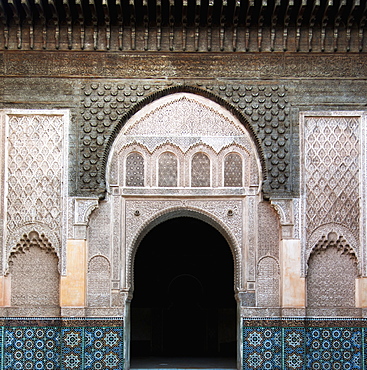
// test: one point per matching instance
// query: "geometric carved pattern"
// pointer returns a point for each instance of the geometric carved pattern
(267, 283)
(308, 344)
(62, 345)
(331, 276)
(34, 273)
(134, 170)
(331, 172)
(35, 170)
(233, 170)
(268, 231)
(200, 170)
(99, 282)
(167, 172)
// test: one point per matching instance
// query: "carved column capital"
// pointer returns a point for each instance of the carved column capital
(284, 208)
(83, 207)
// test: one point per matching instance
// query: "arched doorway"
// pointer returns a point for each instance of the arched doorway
(183, 303)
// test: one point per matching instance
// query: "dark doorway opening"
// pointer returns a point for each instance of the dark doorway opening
(183, 303)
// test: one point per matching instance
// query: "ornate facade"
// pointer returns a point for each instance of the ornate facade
(181, 179)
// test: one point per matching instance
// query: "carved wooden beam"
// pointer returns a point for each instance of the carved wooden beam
(93, 12)
(120, 21)
(274, 21)
(132, 24)
(287, 19)
(171, 23)
(55, 19)
(325, 20)
(146, 23)
(209, 24)
(222, 24)
(236, 16)
(159, 23)
(42, 15)
(16, 17)
(107, 22)
(362, 25)
(197, 23)
(299, 21)
(69, 22)
(260, 23)
(184, 23)
(79, 8)
(337, 20)
(314, 11)
(249, 11)
(353, 15)
(4, 21)
(29, 18)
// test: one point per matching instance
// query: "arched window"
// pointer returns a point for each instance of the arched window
(167, 170)
(200, 170)
(233, 170)
(134, 170)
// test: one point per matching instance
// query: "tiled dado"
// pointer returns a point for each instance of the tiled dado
(317, 344)
(61, 344)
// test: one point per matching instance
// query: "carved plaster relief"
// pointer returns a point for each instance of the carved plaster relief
(34, 273)
(331, 277)
(333, 151)
(35, 175)
(183, 123)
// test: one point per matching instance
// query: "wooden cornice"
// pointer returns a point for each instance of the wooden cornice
(185, 25)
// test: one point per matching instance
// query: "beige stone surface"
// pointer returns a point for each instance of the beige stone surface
(361, 292)
(293, 285)
(4, 291)
(73, 285)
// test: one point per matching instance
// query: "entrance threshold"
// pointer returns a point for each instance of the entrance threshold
(192, 363)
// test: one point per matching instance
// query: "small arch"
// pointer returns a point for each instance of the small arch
(35, 279)
(134, 170)
(168, 170)
(332, 271)
(98, 281)
(19, 238)
(176, 212)
(268, 282)
(200, 170)
(320, 236)
(233, 170)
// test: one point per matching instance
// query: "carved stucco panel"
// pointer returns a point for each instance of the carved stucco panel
(99, 230)
(252, 239)
(184, 115)
(141, 214)
(332, 151)
(116, 236)
(36, 175)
